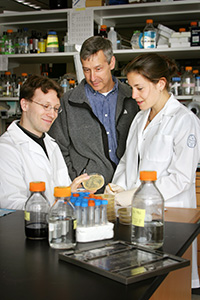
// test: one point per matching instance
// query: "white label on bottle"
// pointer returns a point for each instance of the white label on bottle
(149, 39)
(51, 227)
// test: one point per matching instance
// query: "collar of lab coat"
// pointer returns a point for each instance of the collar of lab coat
(170, 108)
(19, 137)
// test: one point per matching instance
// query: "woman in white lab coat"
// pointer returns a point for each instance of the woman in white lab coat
(164, 136)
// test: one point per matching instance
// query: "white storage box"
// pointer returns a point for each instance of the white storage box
(94, 233)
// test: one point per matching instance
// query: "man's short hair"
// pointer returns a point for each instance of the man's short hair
(34, 82)
(93, 45)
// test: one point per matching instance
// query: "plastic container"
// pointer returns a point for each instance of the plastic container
(16, 86)
(67, 46)
(24, 77)
(97, 212)
(137, 40)
(104, 219)
(197, 85)
(124, 215)
(84, 209)
(72, 84)
(36, 212)
(103, 31)
(78, 211)
(195, 34)
(64, 83)
(62, 220)
(147, 227)
(18, 42)
(7, 85)
(175, 87)
(25, 48)
(42, 45)
(188, 82)
(33, 42)
(111, 215)
(9, 44)
(112, 36)
(91, 214)
(2, 43)
(149, 35)
(52, 42)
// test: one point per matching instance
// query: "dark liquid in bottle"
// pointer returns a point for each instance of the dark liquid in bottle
(36, 230)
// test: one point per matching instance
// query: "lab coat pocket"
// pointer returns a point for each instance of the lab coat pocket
(160, 148)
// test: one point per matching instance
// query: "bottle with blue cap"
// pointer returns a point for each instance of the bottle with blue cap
(175, 87)
(84, 212)
(78, 211)
(104, 204)
(52, 42)
(97, 212)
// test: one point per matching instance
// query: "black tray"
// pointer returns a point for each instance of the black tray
(124, 262)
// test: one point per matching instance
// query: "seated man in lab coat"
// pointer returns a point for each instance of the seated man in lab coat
(28, 153)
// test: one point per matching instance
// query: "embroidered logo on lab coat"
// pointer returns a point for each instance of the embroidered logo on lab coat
(191, 141)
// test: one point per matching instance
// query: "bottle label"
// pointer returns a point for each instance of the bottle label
(138, 215)
(27, 216)
(74, 224)
(187, 84)
(52, 41)
(149, 39)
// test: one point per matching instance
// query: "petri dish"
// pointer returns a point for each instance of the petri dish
(95, 182)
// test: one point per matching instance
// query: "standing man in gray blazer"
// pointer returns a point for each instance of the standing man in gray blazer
(93, 126)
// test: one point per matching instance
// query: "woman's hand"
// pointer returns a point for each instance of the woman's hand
(76, 183)
(113, 189)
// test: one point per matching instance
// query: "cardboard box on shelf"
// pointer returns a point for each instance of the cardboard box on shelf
(90, 3)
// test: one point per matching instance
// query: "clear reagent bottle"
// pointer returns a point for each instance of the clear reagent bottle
(149, 35)
(188, 81)
(147, 228)
(112, 36)
(36, 212)
(62, 221)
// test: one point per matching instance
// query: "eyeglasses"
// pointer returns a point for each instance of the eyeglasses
(48, 107)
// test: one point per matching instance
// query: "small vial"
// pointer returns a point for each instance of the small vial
(84, 194)
(75, 195)
(197, 85)
(84, 208)
(176, 86)
(73, 200)
(104, 204)
(91, 208)
(78, 211)
(97, 212)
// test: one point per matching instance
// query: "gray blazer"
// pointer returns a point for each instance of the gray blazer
(83, 139)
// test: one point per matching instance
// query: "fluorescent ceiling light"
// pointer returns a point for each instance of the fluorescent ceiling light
(28, 4)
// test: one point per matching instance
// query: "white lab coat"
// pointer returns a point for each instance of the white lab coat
(170, 145)
(22, 160)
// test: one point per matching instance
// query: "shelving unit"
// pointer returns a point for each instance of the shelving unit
(131, 17)
(172, 14)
